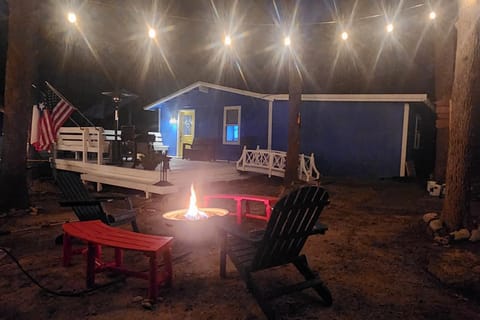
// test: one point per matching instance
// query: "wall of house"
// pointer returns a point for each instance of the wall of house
(208, 108)
(347, 138)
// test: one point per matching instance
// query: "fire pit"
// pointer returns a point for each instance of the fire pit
(193, 225)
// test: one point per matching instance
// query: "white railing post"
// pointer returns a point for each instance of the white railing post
(85, 140)
(270, 163)
(100, 142)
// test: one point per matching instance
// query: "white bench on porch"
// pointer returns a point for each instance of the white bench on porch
(82, 141)
(273, 163)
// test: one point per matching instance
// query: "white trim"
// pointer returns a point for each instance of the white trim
(305, 97)
(270, 120)
(403, 155)
(225, 109)
(358, 97)
(203, 84)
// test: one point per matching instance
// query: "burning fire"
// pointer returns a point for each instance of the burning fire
(193, 213)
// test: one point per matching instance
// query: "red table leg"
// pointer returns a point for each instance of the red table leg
(91, 255)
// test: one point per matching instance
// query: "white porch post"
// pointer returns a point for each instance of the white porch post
(270, 117)
(403, 155)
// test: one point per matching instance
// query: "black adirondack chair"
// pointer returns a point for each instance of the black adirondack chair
(87, 207)
(293, 220)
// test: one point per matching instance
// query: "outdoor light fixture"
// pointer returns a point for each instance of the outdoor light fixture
(389, 27)
(227, 40)
(152, 33)
(287, 42)
(172, 121)
(344, 35)
(71, 17)
(432, 15)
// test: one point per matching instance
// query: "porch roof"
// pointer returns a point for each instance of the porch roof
(422, 97)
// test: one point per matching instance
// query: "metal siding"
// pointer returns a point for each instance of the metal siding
(353, 139)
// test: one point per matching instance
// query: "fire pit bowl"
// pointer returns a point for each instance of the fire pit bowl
(193, 231)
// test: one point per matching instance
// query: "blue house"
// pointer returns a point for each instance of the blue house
(366, 135)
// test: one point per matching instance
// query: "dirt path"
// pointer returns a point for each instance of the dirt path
(373, 258)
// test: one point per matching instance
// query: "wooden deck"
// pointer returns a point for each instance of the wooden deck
(181, 174)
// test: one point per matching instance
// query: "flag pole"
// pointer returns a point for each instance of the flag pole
(76, 109)
(44, 95)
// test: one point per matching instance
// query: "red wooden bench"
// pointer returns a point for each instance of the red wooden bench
(268, 201)
(98, 234)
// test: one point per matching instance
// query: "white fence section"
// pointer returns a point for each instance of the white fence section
(273, 163)
(82, 140)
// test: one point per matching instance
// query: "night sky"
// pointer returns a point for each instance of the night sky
(110, 48)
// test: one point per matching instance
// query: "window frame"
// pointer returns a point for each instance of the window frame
(225, 111)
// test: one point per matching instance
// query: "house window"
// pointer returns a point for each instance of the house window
(231, 125)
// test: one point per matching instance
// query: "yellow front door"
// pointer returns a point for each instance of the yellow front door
(186, 129)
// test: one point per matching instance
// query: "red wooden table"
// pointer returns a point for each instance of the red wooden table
(268, 202)
(98, 234)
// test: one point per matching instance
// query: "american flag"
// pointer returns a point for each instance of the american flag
(61, 109)
(47, 118)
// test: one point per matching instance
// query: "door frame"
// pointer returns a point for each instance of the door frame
(179, 142)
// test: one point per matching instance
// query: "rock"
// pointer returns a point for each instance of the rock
(427, 217)
(476, 269)
(462, 234)
(147, 304)
(436, 225)
(33, 211)
(441, 240)
(137, 299)
(475, 236)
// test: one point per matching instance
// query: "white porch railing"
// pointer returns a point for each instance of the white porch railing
(273, 163)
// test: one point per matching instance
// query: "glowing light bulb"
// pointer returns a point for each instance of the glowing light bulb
(71, 17)
(389, 27)
(287, 42)
(432, 15)
(344, 35)
(227, 40)
(152, 33)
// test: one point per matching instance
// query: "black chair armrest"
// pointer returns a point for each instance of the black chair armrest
(236, 231)
(74, 203)
(319, 228)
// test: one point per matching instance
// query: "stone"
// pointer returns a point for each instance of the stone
(436, 225)
(137, 299)
(441, 240)
(427, 217)
(475, 236)
(462, 234)
(147, 304)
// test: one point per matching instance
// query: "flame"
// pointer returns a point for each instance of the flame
(193, 213)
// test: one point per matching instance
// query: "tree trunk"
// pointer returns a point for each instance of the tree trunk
(20, 71)
(456, 209)
(294, 101)
(445, 41)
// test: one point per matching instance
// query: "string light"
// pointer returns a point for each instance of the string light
(432, 15)
(72, 17)
(389, 28)
(227, 41)
(287, 41)
(344, 35)
(152, 33)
